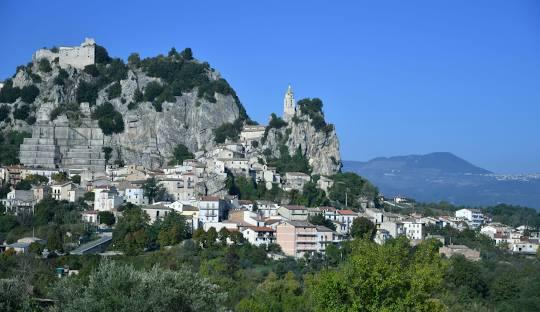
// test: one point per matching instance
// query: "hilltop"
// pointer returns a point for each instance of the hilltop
(147, 107)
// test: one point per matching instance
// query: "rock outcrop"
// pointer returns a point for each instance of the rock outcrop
(321, 148)
(152, 130)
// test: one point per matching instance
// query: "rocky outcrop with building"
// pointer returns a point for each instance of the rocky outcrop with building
(145, 108)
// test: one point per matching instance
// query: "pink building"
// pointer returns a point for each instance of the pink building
(296, 238)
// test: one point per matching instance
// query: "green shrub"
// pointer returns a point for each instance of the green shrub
(228, 131)
(44, 65)
(87, 92)
(138, 96)
(180, 153)
(101, 55)
(62, 75)
(152, 90)
(116, 70)
(5, 110)
(21, 112)
(92, 70)
(114, 91)
(187, 54)
(134, 59)
(8, 93)
(132, 105)
(29, 93)
(109, 120)
(10, 142)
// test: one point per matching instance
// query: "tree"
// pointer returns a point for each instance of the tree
(319, 219)
(89, 196)
(23, 185)
(187, 54)
(36, 179)
(390, 277)
(44, 65)
(352, 187)
(153, 89)
(76, 179)
(106, 217)
(134, 59)
(101, 55)
(29, 93)
(5, 110)
(275, 294)
(109, 119)
(129, 234)
(173, 229)
(153, 189)
(117, 287)
(13, 295)
(114, 91)
(180, 153)
(60, 177)
(363, 228)
(22, 112)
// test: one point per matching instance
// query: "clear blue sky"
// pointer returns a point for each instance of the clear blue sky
(396, 77)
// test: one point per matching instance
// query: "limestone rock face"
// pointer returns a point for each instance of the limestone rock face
(320, 147)
(150, 136)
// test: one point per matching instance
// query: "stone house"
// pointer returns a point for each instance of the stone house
(293, 212)
(295, 181)
(60, 191)
(106, 199)
(135, 196)
(156, 212)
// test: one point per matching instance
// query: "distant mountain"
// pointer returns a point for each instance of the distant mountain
(444, 176)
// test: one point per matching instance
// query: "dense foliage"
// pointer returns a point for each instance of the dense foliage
(313, 108)
(10, 142)
(229, 131)
(287, 163)
(352, 188)
(180, 153)
(109, 120)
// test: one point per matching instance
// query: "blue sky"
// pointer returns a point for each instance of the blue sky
(396, 77)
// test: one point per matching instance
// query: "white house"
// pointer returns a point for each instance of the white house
(474, 217)
(258, 235)
(135, 196)
(211, 209)
(106, 199)
(414, 229)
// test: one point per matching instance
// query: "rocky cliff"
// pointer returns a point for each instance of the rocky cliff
(163, 101)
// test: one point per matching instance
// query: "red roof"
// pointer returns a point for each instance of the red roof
(327, 208)
(346, 212)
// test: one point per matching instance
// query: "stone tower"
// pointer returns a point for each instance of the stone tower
(289, 107)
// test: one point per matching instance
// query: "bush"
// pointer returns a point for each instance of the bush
(87, 92)
(106, 217)
(187, 54)
(92, 70)
(116, 70)
(138, 96)
(114, 91)
(180, 153)
(29, 93)
(226, 131)
(5, 110)
(101, 55)
(21, 112)
(62, 75)
(134, 59)
(44, 65)
(9, 94)
(10, 142)
(152, 90)
(109, 120)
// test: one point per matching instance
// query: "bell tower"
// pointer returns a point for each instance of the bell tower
(289, 107)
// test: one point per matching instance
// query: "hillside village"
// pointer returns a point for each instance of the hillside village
(195, 185)
(117, 171)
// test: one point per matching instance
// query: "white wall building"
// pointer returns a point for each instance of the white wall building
(474, 217)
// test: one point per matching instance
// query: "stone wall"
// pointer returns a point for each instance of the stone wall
(77, 57)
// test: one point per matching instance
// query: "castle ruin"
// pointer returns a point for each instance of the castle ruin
(57, 144)
(77, 57)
